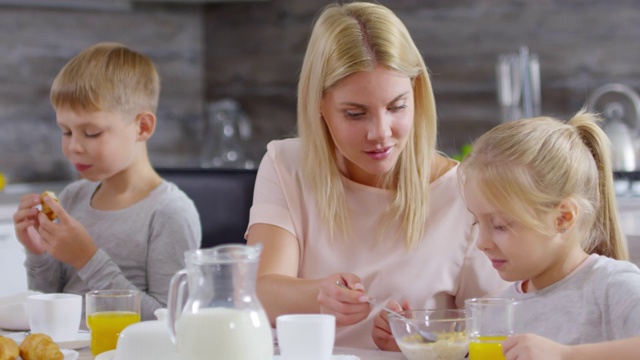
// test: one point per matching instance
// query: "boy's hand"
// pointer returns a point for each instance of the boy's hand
(67, 241)
(27, 217)
(381, 332)
(534, 347)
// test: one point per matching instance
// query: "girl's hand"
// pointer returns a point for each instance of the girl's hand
(381, 332)
(533, 347)
(349, 305)
(67, 241)
(27, 217)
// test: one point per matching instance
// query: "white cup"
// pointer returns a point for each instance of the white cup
(306, 336)
(57, 315)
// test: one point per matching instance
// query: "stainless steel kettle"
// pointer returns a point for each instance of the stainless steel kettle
(620, 107)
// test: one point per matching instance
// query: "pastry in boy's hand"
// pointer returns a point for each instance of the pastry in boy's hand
(8, 349)
(45, 208)
(40, 347)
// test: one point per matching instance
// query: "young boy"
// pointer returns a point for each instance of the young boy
(122, 226)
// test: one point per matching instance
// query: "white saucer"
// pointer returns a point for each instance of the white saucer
(69, 354)
(107, 355)
(82, 340)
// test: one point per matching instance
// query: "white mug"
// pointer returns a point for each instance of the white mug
(306, 336)
(57, 315)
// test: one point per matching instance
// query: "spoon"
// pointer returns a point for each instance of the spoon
(427, 337)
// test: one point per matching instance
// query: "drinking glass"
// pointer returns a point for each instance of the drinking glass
(489, 322)
(108, 313)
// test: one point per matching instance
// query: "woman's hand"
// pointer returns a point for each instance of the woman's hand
(67, 241)
(348, 304)
(27, 217)
(533, 347)
(381, 332)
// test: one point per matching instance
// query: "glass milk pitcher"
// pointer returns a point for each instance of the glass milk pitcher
(222, 317)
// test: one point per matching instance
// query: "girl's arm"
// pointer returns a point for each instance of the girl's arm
(534, 347)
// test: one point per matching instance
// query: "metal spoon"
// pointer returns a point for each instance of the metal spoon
(426, 336)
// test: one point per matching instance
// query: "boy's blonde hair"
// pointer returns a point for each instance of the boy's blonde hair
(107, 77)
(352, 38)
(527, 167)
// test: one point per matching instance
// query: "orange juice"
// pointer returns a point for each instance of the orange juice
(106, 327)
(486, 348)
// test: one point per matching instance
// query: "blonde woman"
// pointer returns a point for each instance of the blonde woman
(361, 198)
(541, 191)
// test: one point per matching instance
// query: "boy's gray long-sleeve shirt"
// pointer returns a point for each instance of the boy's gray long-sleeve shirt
(140, 247)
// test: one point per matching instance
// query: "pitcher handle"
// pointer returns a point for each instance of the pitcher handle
(174, 304)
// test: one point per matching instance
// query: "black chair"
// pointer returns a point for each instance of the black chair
(223, 198)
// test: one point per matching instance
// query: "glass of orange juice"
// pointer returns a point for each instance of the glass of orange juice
(489, 322)
(108, 313)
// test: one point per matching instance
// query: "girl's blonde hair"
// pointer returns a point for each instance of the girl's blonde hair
(107, 77)
(352, 38)
(527, 167)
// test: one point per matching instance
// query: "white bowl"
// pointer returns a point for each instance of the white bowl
(14, 316)
(147, 340)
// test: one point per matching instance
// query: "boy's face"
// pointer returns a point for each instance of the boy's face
(516, 252)
(98, 144)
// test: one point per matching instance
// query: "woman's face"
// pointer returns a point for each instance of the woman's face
(369, 115)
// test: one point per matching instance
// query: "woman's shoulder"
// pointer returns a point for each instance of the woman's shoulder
(285, 154)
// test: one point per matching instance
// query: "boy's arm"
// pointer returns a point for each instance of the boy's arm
(174, 230)
(44, 273)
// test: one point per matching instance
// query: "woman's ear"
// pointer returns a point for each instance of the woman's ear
(146, 123)
(567, 215)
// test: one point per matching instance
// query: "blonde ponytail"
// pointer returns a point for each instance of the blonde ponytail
(606, 237)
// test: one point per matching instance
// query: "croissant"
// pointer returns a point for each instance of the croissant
(40, 347)
(45, 208)
(8, 349)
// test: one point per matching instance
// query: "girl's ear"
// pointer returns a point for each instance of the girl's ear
(146, 123)
(567, 215)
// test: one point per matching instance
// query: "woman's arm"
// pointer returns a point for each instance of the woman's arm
(281, 291)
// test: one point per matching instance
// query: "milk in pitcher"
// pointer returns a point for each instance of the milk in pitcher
(227, 333)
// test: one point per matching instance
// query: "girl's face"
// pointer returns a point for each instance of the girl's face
(370, 116)
(516, 252)
(98, 144)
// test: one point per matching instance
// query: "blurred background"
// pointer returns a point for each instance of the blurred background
(239, 60)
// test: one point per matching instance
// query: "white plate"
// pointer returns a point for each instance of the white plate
(68, 354)
(82, 340)
(110, 355)
(107, 355)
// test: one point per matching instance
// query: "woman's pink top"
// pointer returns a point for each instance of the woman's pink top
(445, 269)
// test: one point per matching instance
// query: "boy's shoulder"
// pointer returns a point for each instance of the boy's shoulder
(169, 197)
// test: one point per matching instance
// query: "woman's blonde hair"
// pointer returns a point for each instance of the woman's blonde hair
(352, 38)
(527, 167)
(107, 77)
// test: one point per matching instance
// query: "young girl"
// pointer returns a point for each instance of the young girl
(541, 192)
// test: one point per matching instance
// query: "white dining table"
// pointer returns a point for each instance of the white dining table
(363, 354)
